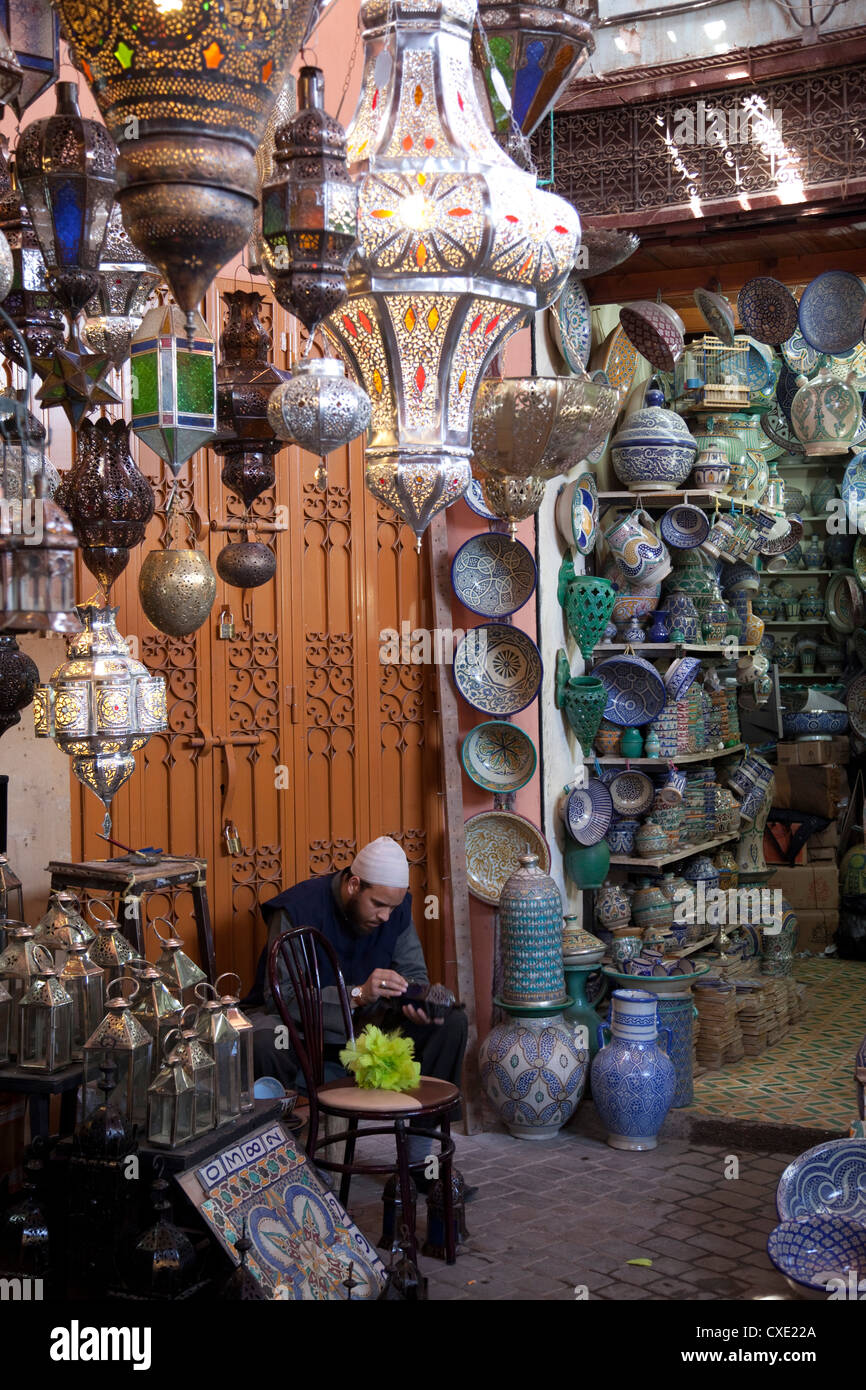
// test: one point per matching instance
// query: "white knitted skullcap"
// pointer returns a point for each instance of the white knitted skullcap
(382, 862)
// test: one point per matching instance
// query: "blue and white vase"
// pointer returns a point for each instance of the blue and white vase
(633, 1080)
(661, 629)
(533, 1070)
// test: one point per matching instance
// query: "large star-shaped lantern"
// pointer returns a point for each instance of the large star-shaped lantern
(73, 380)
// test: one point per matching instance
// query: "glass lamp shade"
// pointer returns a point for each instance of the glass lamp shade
(126, 281)
(536, 49)
(155, 1007)
(310, 208)
(37, 571)
(457, 245)
(11, 74)
(66, 168)
(109, 949)
(61, 927)
(33, 38)
(6, 1007)
(244, 1029)
(106, 497)
(100, 706)
(171, 1103)
(45, 1019)
(29, 303)
(245, 383)
(223, 1043)
(319, 407)
(173, 385)
(180, 974)
(538, 426)
(199, 1062)
(119, 1040)
(17, 970)
(186, 91)
(19, 676)
(85, 984)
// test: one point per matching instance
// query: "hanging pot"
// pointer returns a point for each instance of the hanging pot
(246, 564)
(177, 589)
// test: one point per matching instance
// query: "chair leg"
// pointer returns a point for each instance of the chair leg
(348, 1157)
(446, 1167)
(405, 1179)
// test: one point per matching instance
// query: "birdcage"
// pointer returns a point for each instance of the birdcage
(711, 374)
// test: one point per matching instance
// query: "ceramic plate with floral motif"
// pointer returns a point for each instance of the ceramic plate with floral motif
(833, 311)
(801, 357)
(767, 309)
(584, 513)
(497, 669)
(495, 841)
(493, 575)
(572, 324)
(635, 690)
(777, 427)
(617, 358)
(498, 756)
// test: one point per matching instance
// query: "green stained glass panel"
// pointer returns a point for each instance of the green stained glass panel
(145, 399)
(196, 390)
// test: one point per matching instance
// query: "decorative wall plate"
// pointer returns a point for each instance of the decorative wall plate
(859, 561)
(635, 690)
(829, 1180)
(572, 324)
(800, 356)
(852, 362)
(495, 841)
(843, 602)
(855, 701)
(584, 513)
(786, 390)
(685, 526)
(832, 309)
(588, 812)
(777, 427)
(498, 756)
(497, 669)
(605, 248)
(474, 499)
(493, 575)
(767, 309)
(653, 333)
(759, 367)
(631, 793)
(617, 358)
(717, 315)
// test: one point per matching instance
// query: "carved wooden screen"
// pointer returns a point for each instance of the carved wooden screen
(293, 730)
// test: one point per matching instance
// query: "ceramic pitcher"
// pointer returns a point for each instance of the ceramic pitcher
(632, 1079)
(641, 556)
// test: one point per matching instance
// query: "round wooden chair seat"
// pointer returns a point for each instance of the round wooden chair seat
(429, 1097)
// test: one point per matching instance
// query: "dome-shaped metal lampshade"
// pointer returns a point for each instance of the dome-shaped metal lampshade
(126, 281)
(319, 407)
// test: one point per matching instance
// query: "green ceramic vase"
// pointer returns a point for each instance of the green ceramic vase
(587, 865)
(631, 743)
(583, 701)
(588, 603)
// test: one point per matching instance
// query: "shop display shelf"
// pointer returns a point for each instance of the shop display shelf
(638, 647)
(693, 946)
(684, 852)
(618, 760)
(665, 499)
(808, 676)
(795, 622)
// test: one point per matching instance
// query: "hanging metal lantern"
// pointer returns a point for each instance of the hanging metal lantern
(244, 1029)
(245, 383)
(17, 969)
(539, 426)
(119, 1039)
(258, 255)
(310, 208)
(180, 974)
(37, 580)
(319, 407)
(246, 564)
(19, 677)
(45, 1019)
(100, 706)
(186, 91)
(7, 266)
(513, 499)
(171, 1099)
(11, 73)
(30, 304)
(107, 499)
(66, 169)
(33, 32)
(84, 983)
(109, 949)
(535, 48)
(177, 589)
(456, 247)
(223, 1043)
(25, 469)
(6, 1006)
(173, 384)
(126, 281)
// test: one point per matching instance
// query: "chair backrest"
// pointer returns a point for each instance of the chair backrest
(297, 951)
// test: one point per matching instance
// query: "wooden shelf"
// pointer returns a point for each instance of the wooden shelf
(808, 675)
(664, 498)
(795, 622)
(618, 759)
(695, 946)
(684, 852)
(691, 647)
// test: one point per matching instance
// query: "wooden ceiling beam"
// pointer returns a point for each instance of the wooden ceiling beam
(677, 284)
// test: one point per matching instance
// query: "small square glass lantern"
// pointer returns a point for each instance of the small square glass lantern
(224, 1045)
(174, 404)
(109, 949)
(85, 985)
(244, 1029)
(45, 1019)
(155, 1006)
(180, 974)
(171, 1099)
(17, 969)
(6, 1007)
(124, 1043)
(199, 1062)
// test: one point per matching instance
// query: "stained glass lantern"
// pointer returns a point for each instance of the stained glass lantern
(126, 281)
(110, 949)
(198, 1060)
(17, 970)
(173, 385)
(223, 1043)
(45, 1018)
(155, 1007)
(186, 91)
(310, 208)
(6, 1008)
(100, 706)
(30, 303)
(171, 1099)
(180, 974)
(457, 246)
(244, 1029)
(258, 255)
(119, 1039)
(66, 169)
(245, 383)
(106, 497)
(32, 28)
(61, 926)
(11, 73)
(85, 984)
(536, 50)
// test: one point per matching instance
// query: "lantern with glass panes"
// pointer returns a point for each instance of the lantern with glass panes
(171, 1099)
(244, 1029)
(45, 1018)
(62, 926)
(199, 1062)
(5, 1021)
(121, 1041)
(155, 1006)
(109, 949)
(223, 1042)
(179, 972)
(10, 883)
(85, 985)
(17, 969)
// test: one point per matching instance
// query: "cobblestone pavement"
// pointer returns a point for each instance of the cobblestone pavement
(551, 1216)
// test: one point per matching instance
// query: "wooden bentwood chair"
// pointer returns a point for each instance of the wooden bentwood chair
(430, 1100)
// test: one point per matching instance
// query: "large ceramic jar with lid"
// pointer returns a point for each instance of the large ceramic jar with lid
(826, 412)
(530, 921)
(650, 907)
(533, 1070)
(653, 451)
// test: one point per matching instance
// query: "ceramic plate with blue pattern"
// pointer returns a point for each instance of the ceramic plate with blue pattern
(572, 324)
(498, 756)
(493, 575)
(584, 513)
(819, 1248)
(635, 690)
(833, 312)
(801, 357)
(497, 669)
(588, 812)
(474, 499)
(767, 309)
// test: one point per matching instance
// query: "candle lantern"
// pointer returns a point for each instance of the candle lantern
(180, 974)
(11, 74)
(198, 1060)
(532, 52)
(17, 969)
(110, 949)
(37, 581)
(245, 383)
(244, 1029)
(171, 1099)
(223, 1042)
(121, 1041)
(319, 408)
(61, 926)
(45, 1018)
(126, 281)
(6, 1007)
(106, 497)
(85, 985)
(30, 304)
(10, 885)
(19, 677)
(155, 1007)
(173, 384)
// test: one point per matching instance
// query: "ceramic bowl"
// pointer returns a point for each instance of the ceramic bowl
(680, 676)
(495, 841)
(498, 756)
(828, 1180)
(571, 321)
(809, 724)
(576, 512)
(685, 526)
(620, 836)
(474, 499)
(767, 309)
(800, 357)
(832, 308)
(493, 575)
(711, 475)
(588, 812)
(605, 247)
(653, 332)
(816, 1249)
(632, 793)
(717, 315)
(635, 690)
(497, 669)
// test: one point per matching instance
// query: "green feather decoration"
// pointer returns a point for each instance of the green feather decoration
(382, 1061)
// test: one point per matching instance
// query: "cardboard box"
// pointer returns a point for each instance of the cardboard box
(814, 753)
(826, 887)
(821, 856)
(816, 930)
(798, 886)
(817, 791)
(788, 752)
(825, 839)
(777, 841)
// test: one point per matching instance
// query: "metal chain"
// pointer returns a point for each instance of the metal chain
(350, 68)
(518, 144)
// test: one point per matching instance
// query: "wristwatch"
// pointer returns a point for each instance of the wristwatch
(356, 994)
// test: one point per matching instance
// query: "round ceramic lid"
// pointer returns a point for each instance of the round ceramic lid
(653, 424)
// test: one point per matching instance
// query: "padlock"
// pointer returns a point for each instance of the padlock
(232, 838)
(226, 625)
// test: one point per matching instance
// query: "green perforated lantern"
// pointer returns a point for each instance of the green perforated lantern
(173, 384)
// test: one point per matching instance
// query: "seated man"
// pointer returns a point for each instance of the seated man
(365, 911)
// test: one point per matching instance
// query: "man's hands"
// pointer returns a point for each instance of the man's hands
(383, 984)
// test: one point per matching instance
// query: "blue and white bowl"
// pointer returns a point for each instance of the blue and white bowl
(831, 311)
(499, 756)
(828, 1180)
(620, 836)
(818, 1249)
(588, 812)
(821, 723)
(680, 676)
(635, 690)
(493, 575)
(497, 669)
(685, 526)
